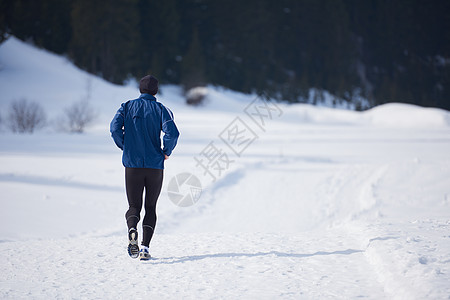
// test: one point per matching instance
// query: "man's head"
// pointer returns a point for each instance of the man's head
(148, 85)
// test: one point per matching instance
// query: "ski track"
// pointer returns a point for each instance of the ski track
(410, 259)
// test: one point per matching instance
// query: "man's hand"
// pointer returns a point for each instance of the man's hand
(166, 157)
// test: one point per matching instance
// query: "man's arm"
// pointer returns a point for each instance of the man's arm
(116, 127)
(171, 132)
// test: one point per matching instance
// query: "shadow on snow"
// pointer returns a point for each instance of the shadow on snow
(183, 259)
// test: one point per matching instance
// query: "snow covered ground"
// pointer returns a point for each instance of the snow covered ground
(311, 203)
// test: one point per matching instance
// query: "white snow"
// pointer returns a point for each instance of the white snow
(323, 204)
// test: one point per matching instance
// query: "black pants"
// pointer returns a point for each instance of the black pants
(136, 179)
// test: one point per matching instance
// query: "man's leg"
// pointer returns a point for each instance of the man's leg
(153, 184)
(134, 183)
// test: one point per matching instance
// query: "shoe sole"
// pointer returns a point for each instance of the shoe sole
(145, 258)
(133, 248)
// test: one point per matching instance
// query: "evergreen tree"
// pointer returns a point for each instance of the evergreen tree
(159, 51)
(5, 19)
(192, 65)
(45, 22)
(104, 37)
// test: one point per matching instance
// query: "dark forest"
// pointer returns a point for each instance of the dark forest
(380, 50)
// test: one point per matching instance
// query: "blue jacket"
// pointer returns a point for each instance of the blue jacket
(136, 129)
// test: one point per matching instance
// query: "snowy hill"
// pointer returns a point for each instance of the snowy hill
(317, 203)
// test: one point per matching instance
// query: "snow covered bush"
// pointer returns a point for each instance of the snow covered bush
(77, 117)
(1, 122)
(25, 116)
(196, 96)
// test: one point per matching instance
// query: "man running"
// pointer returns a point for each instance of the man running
(136, 129)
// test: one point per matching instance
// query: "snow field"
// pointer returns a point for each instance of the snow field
(206, 266)
(324, 204)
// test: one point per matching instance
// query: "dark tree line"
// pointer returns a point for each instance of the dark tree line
(382, 50)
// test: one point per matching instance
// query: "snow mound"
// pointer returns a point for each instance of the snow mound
(391, 115)
(54, 82)
(407, 116)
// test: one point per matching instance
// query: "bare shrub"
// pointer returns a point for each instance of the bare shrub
(25, 117)
(78, 116)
